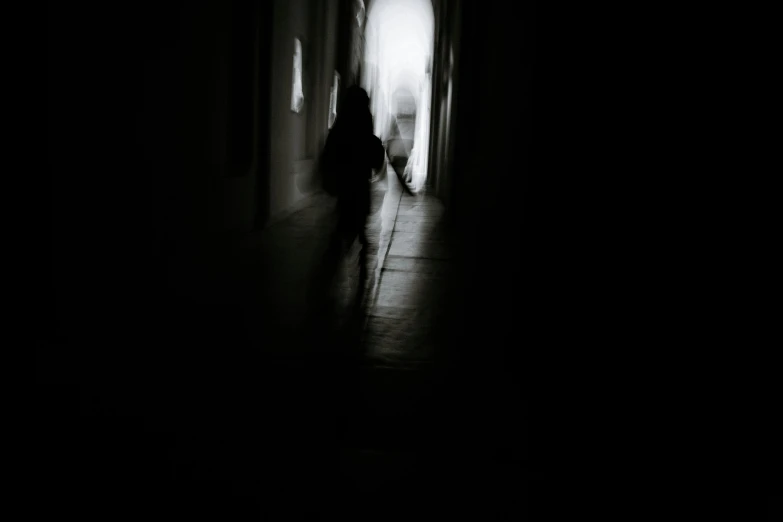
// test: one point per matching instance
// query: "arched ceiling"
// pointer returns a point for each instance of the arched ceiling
(399, 37)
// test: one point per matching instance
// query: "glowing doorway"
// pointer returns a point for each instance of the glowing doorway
(397, 66)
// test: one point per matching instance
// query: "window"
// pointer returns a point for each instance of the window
(297, 95)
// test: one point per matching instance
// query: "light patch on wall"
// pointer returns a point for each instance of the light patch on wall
(360, 13)
(333, 99)
(297, 94)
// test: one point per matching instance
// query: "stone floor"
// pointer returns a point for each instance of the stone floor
(255, 401)
(409, 261)
(387, 409)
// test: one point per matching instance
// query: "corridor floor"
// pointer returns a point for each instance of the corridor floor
(382, 405)
(260, 404)
(394, 326)
(409, 262)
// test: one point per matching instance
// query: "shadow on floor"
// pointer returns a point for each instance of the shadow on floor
(242, 397)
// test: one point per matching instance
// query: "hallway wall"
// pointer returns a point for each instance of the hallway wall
(488, 197)
(297, 138)
(138, 118)
(164, 141)
(493, 120)
(445, 82)
(151, 175)
(150, 179)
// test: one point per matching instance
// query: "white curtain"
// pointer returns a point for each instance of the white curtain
(416, 169)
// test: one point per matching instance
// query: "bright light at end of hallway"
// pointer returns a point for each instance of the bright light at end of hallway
(398, 50)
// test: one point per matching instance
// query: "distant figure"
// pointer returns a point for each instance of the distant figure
(351, 153)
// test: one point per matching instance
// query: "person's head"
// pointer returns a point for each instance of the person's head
(355, 110)
(356, 98)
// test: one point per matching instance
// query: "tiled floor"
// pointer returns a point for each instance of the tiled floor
(307, 409)
(394, 330)
(409, 262)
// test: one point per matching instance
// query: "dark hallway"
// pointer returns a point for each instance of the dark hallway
(203, 358)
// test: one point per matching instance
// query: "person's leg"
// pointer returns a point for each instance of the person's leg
(362, 249)
(361, 224)
(322, 283)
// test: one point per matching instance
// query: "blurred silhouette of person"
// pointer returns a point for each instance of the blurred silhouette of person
(350, 155)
